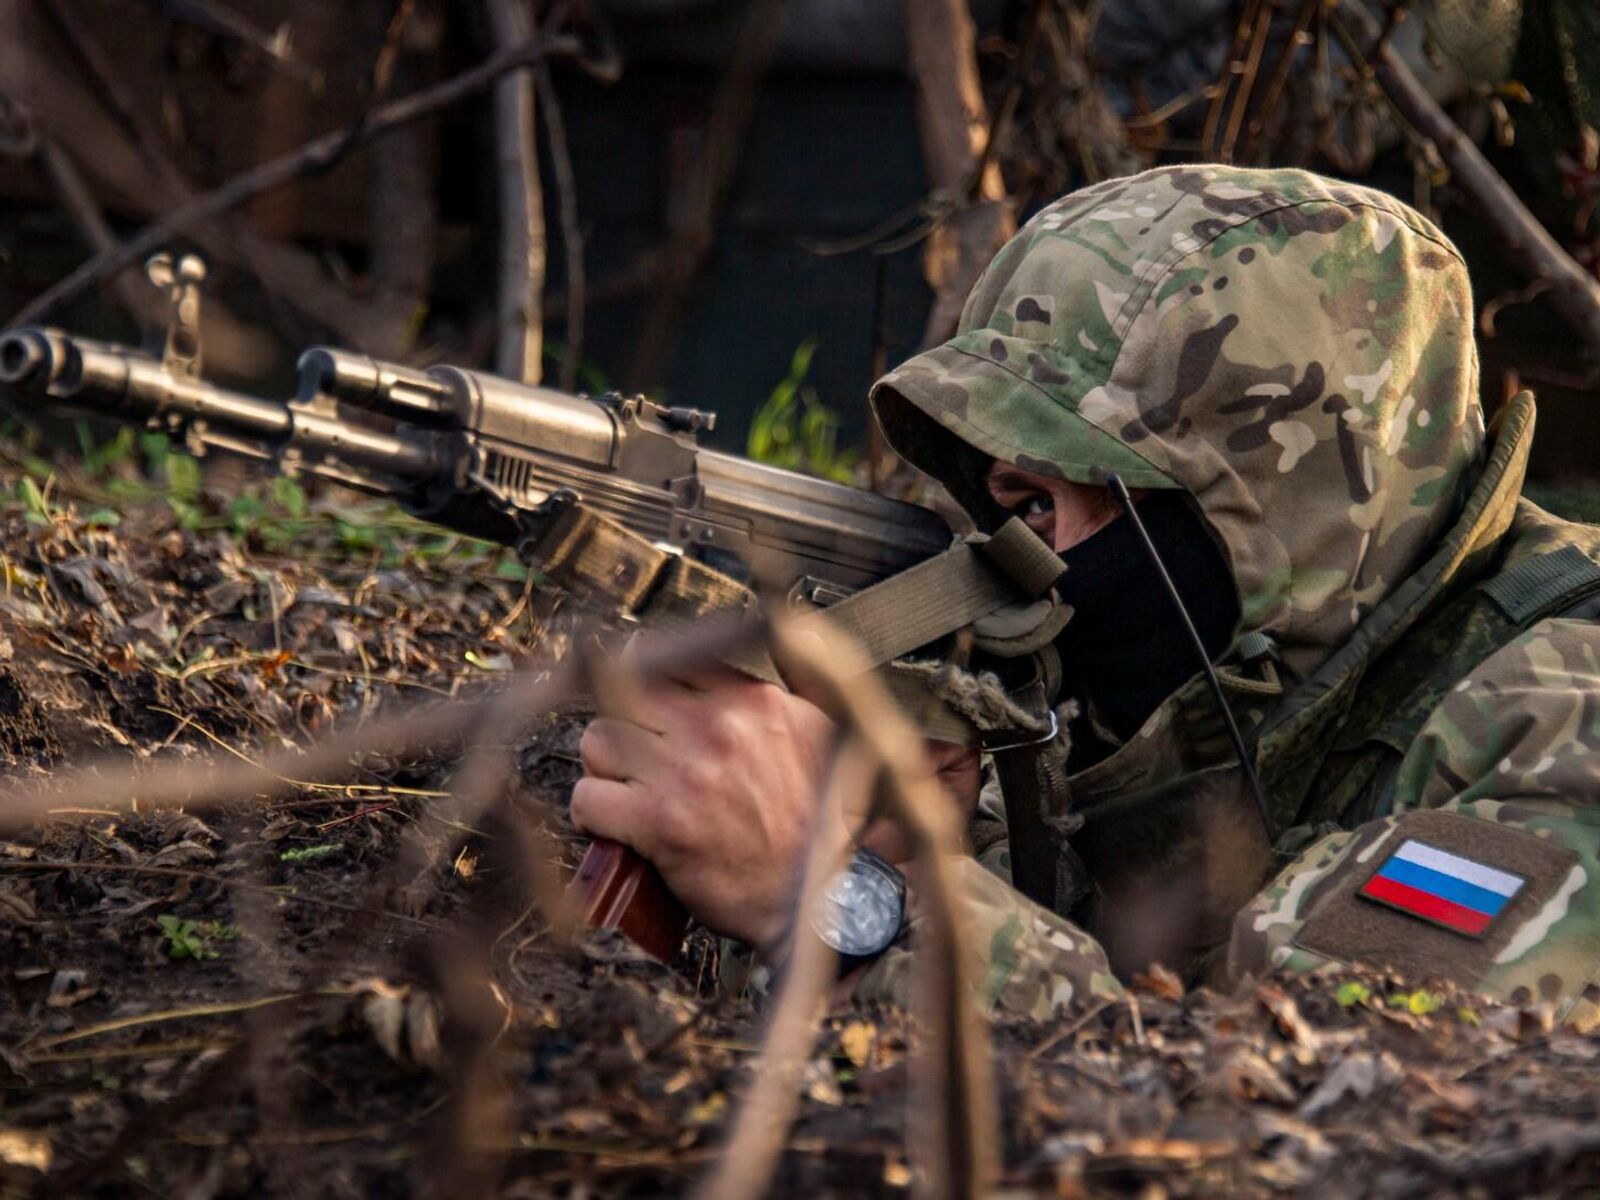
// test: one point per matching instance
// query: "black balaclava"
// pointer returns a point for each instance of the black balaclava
(1125, 649)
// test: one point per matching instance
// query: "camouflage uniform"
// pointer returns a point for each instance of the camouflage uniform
(1298, 355)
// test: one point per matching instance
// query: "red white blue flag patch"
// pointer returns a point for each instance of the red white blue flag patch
(1438, 886)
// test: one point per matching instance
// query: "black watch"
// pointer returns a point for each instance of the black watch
(861, 911)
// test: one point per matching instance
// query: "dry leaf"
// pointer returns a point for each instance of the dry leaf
(15, 906)
(1159, 981)
(25, 1148)
(708, 1110)
(856, 1038)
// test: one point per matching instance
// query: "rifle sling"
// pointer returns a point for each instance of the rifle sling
(948, 592)
(594, 556)
(580, 550)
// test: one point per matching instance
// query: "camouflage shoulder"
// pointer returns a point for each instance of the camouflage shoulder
(1028, 961)
(1500, 792)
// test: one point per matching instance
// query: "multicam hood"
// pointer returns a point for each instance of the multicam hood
(1295, 352)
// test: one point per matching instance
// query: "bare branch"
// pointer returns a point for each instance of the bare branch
(955, 135)
(959, 1143)
(520, 314)
(315, 156)
(1573, 292)
(705, 189)
(571, 231)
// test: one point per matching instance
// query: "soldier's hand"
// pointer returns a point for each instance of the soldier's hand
(712, 776)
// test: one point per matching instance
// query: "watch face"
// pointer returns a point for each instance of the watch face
(860, 911)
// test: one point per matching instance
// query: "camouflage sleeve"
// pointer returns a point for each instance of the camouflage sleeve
(1029, 960)
(1504, 776)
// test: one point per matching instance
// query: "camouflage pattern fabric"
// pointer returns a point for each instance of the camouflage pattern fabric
(1034, 963)
(1515, 743)
(1297, 354)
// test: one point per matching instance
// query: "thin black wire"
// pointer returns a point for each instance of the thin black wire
(1114, 482)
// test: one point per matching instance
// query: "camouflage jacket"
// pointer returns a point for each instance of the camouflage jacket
(1413, 666)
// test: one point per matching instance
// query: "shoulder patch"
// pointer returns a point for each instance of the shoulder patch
(1444, 896)
(1446, 889)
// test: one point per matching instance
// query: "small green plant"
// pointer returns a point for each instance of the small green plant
(36, 501)
(794, 429)
(194, 939)
(309, 854)
(1352, 991)
(1419, 1003)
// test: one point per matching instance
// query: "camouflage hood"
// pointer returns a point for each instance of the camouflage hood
(1295, 352)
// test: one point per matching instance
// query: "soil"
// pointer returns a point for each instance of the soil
(345, 991)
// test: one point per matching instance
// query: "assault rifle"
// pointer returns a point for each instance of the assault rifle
(517, 465)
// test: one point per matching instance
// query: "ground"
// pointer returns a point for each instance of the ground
(344, 989)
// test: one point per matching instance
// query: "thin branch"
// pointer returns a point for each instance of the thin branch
(210, 876)
(976, 218)
(1574, 293)
(959, 1142)
(706, 188)
(314, 157)
(555, 126)
(520, 317)
(1247, 83)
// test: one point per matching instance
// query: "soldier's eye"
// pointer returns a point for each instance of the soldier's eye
(1040, 504)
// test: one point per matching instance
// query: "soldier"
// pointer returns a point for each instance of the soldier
(1283, 369)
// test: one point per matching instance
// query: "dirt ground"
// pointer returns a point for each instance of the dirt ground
(343, 990)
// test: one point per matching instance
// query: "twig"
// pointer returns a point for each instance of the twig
(959, 1137)
(762, 1124)
(210, 783)
(706, 188)
(976, 219)
(1231, 65)
(1062, 1035)
(315, 156)
(1574, 293)
(211, 877)
(1252, 69)
(195, 1045)
(555, 127)
(220, 1009)
(216, 19)
(1491, 308)
(346, 789)
(1298, 36)
(520, 320)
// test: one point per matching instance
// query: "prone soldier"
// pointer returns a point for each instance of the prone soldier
(1281, 370)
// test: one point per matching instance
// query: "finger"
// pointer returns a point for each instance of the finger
(616, 749)
(609, 808)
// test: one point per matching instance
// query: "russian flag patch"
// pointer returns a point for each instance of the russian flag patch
(1441, 887)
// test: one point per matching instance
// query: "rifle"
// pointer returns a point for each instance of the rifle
(527, 467)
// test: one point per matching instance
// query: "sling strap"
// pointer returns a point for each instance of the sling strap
(1009, 573)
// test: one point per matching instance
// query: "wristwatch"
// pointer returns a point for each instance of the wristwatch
(861, 911)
